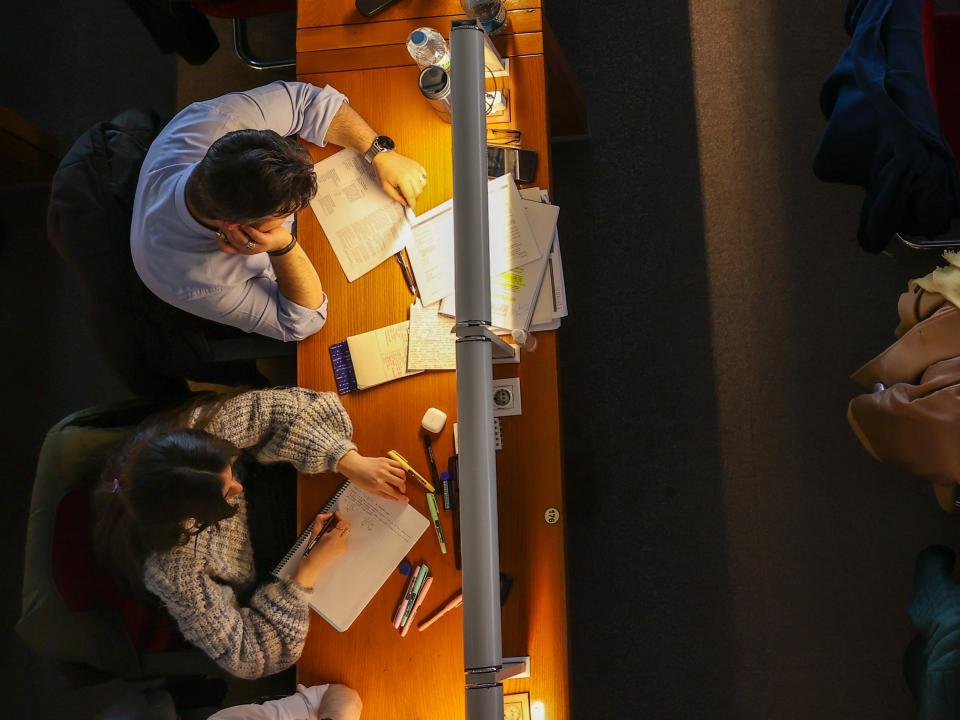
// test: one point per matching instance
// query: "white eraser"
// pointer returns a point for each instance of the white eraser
(433, 420)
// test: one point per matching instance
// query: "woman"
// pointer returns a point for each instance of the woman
(171, 518)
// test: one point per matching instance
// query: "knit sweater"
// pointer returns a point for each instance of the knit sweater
(199, 582)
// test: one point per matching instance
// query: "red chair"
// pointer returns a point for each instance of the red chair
(72, 612)
(941, 56)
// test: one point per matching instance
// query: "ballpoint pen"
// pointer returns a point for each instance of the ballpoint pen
(394, 455)
(428, 446)
(407, 274)
(327, 527)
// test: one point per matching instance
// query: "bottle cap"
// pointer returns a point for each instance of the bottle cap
(418, 37)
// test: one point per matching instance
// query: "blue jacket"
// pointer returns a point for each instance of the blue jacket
(882, 130)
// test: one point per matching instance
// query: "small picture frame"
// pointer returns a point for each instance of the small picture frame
(516, 706)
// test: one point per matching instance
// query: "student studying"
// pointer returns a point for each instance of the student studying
(172, 521)
(213, 214)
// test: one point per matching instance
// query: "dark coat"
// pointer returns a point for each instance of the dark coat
(882, 130)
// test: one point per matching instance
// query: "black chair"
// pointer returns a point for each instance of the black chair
(152, 346)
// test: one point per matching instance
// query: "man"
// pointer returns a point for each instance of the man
(211, 230)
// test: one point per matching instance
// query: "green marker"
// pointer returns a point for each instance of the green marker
(435, 516)
(417, 584)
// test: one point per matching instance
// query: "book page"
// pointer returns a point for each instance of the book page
(380, 356)
(433, 345)
(364, 225)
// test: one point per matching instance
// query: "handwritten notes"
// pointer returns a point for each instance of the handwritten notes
(433, 346)
(364, 225)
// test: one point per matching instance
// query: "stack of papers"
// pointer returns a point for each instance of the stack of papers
(365, 227)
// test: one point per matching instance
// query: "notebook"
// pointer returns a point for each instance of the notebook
(371, 358)
(381, 533)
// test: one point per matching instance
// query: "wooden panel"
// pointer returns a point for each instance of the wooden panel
(27, 154)
(384, 56)
(397, 31)
(317, 13)
(421, 676)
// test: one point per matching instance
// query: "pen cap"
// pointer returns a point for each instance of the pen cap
(433, 420)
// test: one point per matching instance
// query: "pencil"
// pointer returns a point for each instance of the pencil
(454, 602)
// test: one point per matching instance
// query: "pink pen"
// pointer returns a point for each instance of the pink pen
(413, 614)
(406, 598)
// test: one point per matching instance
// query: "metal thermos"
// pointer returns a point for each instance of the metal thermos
(435, 86)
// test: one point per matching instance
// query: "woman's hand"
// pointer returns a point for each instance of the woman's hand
(379, 476)
(340, 703)
(400, 177)
(330, 546)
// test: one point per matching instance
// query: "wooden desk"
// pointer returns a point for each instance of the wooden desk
(421, 676)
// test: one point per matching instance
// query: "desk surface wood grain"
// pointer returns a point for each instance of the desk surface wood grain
(421, 676)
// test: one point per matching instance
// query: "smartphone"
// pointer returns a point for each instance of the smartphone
(519, 162)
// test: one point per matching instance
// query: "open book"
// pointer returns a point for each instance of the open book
(381, 533)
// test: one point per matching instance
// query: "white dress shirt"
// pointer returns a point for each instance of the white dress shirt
(176, 257)
(302, 705)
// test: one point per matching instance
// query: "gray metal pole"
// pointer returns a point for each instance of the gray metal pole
(483, 656)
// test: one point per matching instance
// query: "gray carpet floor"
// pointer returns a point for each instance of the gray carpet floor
(732, 552)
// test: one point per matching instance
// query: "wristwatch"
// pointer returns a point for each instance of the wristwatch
(381, 143)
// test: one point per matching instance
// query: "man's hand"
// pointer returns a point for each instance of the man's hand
(400, 177)
(247, 240)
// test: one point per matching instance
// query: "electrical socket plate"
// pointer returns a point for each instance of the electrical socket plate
(506, 397)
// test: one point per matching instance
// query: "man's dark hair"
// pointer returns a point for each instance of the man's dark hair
(248, 175)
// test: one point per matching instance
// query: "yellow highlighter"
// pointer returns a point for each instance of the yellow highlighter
(394, 455)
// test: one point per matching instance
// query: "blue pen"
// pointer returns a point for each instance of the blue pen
(445, 482)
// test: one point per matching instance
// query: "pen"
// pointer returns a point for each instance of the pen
(417, 584)
(416, 606)
(445, 484)
(406, 598)
(454, 602)
(327, 527)
(452, 464)
(435, 516)
(406, 466)
(407, 274)
(428, 446)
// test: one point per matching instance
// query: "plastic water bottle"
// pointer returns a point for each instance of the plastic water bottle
(427, 47)
(492, 14)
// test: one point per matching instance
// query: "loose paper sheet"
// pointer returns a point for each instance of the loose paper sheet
(364, 225)
(512, 243)
(515, 292)
(431, 253)
(433, 345)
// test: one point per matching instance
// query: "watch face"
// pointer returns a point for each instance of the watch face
(385, 143)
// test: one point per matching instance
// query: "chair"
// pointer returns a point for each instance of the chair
(240, 11)
(72, 613)
(941, 55)
(151, 345)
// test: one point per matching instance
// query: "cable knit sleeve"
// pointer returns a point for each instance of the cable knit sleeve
(250, 642)
(309, 429)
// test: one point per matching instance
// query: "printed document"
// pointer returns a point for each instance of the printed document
(364, 225)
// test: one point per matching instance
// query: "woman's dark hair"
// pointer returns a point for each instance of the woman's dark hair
(250, 175)
(162, 487)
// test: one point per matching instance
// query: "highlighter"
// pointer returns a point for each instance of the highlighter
(394, 455)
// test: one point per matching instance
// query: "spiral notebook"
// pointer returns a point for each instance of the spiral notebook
(381, 533)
